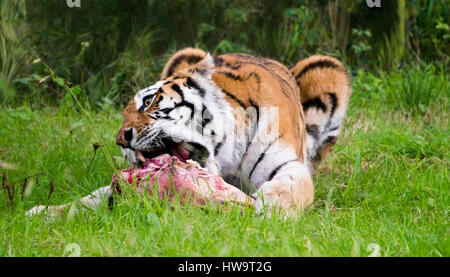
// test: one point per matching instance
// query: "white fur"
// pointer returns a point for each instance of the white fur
(92, 201)
(144, 92)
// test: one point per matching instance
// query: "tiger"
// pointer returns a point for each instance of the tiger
(264, 127)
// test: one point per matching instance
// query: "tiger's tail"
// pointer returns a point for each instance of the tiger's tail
(325, 91)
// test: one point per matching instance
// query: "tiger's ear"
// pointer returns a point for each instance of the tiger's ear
(183, 59)
(206, 66)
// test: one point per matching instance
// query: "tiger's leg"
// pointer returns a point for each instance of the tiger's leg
(92, 201)
(290, 190)
(325, 91)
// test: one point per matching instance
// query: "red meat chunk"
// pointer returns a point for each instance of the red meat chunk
(170, 178)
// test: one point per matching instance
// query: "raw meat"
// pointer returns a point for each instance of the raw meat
(172, 179)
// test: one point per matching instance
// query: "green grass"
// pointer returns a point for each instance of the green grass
(385, 183)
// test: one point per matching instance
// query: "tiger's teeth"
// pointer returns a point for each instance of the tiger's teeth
(189, 147)
(177, 140)
(140, 156)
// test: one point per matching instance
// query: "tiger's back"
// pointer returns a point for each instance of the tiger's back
(249, 81)
(260, 82)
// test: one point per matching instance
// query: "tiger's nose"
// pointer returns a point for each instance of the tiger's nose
(124, 137)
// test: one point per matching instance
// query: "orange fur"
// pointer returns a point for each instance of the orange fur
(316, 77)
(181, 60)
(251, 81)
(248, 80)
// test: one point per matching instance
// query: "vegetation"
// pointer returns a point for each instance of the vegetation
(111, 55)
(385, 184)
(65, 74)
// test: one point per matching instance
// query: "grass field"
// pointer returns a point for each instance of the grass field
(384, 190)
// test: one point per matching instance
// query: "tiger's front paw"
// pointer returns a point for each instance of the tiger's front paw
(288, 200)
(50, 211)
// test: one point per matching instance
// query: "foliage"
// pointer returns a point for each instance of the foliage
(12, 52)
(404, 90)
(112, 55)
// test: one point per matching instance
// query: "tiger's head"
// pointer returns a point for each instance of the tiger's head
(175, 115)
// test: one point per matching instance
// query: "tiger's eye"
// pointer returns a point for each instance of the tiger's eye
(147, 102)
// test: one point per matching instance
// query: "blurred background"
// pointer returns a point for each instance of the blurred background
(105, 50)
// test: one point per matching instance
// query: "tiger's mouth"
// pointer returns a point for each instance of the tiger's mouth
(182, 150)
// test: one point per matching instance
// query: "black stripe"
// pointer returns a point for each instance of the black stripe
(275, 171)
(191, 59)
(183, 102)
(254, 105)
(333, 99)
(159, 100)
(316, 157)
(261, 157)
(241, 79)
(206, 118)
(167, 117)
(186, 104)
(219, 145)
(259, 63)
(234, 99)
(313, 130)
(331, 140)
(333, 129)
(317, 64)
(256, 76)
(243, 56)
(194, 84)
(178, 90)
(194, 59)
(315, 102)
(218, 61)
(166, 110)
(255, 128)
(235, 67)
(174, 64)
(232, 76)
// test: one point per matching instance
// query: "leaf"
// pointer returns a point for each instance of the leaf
(23, 81)
(77, 125)
(43, 79)
(59, 81)
(351, 182)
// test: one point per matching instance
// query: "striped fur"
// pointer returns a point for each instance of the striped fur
(325, 91)
(231, 105)
(254, 96)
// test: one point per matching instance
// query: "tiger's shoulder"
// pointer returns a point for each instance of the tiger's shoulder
(243, 78)
(250, 83)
